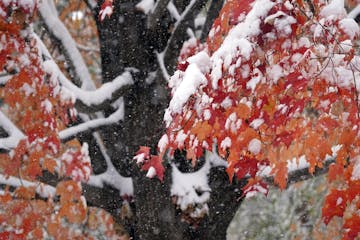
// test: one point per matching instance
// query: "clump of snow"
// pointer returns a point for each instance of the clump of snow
(151, 172)
(145, 6)
(202, 60)
(356, 170)
(163, 142)
(256, 123)
(193, 78)
(46, 104)
(226, 143)
(254, 146)
(350, 27)
(335, 8)
(140, 158)
(237, 39)
(275, 72)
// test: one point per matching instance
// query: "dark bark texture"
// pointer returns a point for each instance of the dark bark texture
(131, 39)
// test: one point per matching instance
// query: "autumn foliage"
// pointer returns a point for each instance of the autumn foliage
(275, 81)
(36, 103)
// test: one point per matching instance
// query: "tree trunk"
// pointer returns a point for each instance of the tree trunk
(125, 42)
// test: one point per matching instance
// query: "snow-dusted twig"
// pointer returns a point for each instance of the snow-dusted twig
(93, 124)
(57, 29)
(15, 135)
(160, 59)
(173, 11)
(42, 189)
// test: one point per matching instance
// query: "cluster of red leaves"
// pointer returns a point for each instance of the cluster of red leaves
(150, 163)
(291, 93)
(37, 105)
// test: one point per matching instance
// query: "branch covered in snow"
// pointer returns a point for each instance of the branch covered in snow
(15, 135)
(301, 173)
(355, 12)
(111, 176)
(90, 100)
(60, 33)
(42, 189)
(94, 124)
(179, 33)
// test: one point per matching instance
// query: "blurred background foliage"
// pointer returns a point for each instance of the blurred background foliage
(294, 213)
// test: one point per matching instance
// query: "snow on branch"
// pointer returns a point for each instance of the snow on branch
(15, 135)
(179, 32)
(42, 189)
(193, 188)
(111, 176)
(107, 91)
(95, 123)
(355, 12)
(88, 100)
(57, 29)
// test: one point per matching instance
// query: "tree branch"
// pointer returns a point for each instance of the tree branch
(42, 189)
(179, 33)
(15, 135)
(211, 15)
(60, 34)
(88, 101)
(93, 124)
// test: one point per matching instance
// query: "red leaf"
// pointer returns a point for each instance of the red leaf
(285, 137)
(244, 166)
(254, 186)
(156, 163)
(106, 9)
(334, 205)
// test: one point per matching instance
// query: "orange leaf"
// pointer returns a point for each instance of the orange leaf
(25, 192)
(49, 164)
(281, 174)
(335, 171)
(202, 130)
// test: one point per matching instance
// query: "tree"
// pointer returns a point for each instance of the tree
(267, 93)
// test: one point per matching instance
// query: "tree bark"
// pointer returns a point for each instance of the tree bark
(127, 42)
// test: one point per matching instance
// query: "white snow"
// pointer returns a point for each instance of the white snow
(275, 72)
(95, 123)
(356, 170)
(226, 143)
(335, 9)
(111, 176)
(350, 27)
(42, 189)
(151, 172)
(238, 37)
(145, 6)
(15, 135)
(256, 123)
(163, 142)
(254, 146)
(192, 80)
(186, 186)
